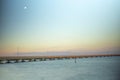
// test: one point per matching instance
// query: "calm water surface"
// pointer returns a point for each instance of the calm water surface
(105, 68)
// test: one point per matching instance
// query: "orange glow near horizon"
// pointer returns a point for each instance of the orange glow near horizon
(60, 48)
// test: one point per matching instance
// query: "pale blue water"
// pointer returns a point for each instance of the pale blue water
(105, 68)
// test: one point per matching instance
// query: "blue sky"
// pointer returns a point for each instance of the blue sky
(59, 25)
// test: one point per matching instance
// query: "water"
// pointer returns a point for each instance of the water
(105, 68)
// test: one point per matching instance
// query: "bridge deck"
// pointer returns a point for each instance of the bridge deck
(29, 58)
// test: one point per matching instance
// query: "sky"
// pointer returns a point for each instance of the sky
(59, 25)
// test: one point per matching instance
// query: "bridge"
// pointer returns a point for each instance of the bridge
(17, 59)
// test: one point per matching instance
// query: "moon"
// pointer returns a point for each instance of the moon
(25, 7)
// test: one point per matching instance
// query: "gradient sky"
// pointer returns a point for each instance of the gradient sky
(59, 25)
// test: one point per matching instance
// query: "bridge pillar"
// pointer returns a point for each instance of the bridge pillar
(3, 61)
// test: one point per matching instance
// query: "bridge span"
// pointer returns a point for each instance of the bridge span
(17, 59)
